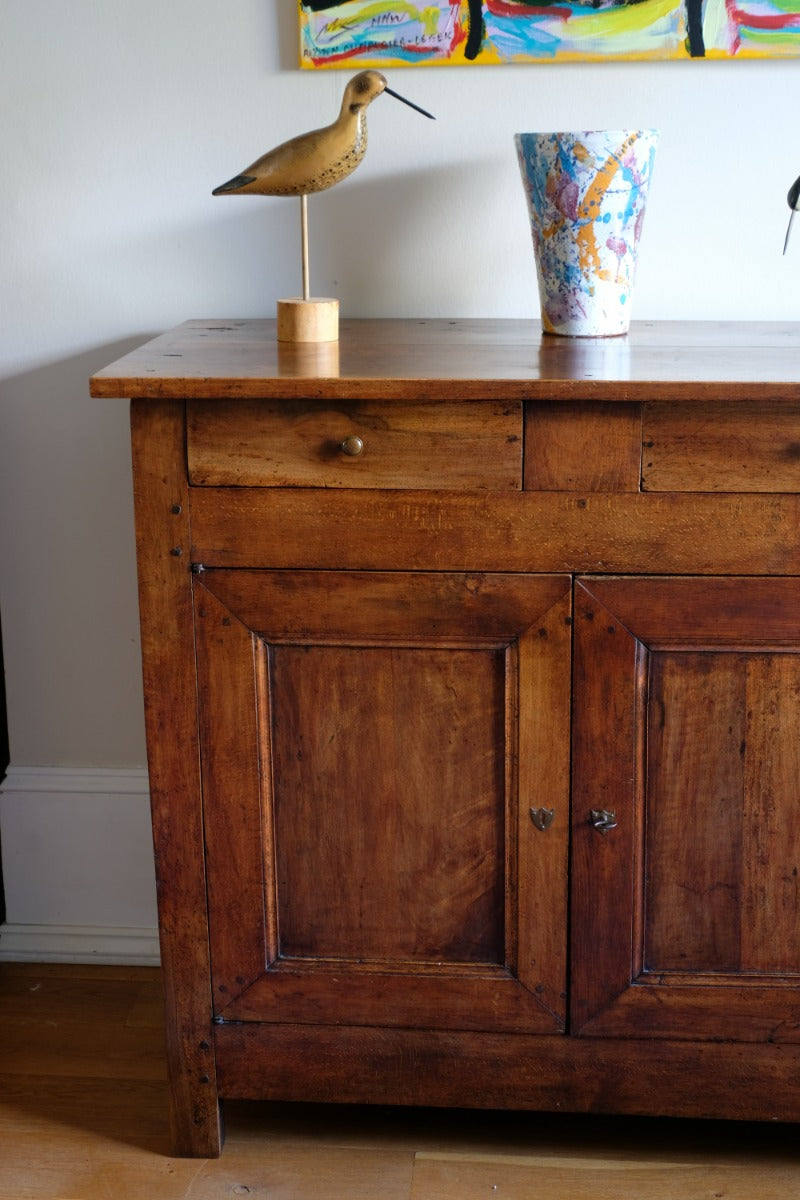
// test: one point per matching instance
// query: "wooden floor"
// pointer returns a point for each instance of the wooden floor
(83, 1116)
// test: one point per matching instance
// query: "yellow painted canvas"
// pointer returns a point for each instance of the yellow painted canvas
(392, 33)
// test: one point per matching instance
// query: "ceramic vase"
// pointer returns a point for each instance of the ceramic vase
(586, 196)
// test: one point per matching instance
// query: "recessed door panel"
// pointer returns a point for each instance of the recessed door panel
(373, 745)
(723, 836)
(375, 860)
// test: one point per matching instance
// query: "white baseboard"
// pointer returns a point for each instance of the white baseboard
(77, 866)
(108, 781)
(73, 944)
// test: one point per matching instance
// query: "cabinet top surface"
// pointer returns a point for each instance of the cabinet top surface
(463, 359)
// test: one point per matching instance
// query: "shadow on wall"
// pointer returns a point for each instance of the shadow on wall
(407, 242)
(69, 586)
(70, 693)
(385, 245)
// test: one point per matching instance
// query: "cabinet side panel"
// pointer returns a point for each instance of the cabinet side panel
(170, 687)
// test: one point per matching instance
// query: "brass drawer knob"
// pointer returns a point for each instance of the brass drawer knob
(352, 445)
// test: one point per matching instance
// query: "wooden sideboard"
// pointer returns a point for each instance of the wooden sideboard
(472, 679)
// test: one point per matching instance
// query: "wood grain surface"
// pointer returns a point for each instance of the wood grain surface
(465, 359)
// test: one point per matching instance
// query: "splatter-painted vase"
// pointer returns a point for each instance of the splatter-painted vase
(586, 197)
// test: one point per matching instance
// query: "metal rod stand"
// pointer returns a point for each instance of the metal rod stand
(304, 242)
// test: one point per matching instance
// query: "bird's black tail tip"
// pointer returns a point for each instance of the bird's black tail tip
(233, 185)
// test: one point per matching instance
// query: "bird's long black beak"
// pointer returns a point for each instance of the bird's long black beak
(410, 103)
(793, 200)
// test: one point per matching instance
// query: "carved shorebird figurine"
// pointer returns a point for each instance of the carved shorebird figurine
(317, 160)
(311, 163)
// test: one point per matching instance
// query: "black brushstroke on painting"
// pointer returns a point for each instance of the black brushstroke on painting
(694, 28)
(476, 30)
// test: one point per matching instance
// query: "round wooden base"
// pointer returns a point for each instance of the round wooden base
(315, 320)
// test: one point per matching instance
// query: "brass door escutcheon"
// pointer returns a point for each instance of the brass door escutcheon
(543, 818)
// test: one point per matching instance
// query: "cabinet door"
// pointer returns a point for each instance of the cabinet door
(373, 745)
(686, 808)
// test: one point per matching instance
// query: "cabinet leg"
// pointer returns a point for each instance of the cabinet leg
(198, 1128)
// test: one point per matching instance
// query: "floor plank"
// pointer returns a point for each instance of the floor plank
(83, 1116)
(306, 1170)
(477, 1179)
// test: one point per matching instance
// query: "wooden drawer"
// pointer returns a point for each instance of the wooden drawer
(298, 443)
(721, 446)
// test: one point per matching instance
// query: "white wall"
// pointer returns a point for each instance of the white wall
(119, 116)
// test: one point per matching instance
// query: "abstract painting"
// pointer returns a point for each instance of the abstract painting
(376, 33)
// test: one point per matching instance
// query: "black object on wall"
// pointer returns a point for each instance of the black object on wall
(4, 757)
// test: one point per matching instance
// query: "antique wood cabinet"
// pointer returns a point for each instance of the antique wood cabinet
(472, 674)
